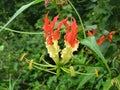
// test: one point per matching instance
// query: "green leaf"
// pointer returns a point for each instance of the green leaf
(37, 1)
(90, 42)
(20, 10)
(92, 27)
(107, 85)
(51, 80)
(84, 79)
(1, 48)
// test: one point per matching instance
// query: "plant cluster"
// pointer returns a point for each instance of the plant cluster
(57, 53)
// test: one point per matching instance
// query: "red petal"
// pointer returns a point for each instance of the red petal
(109, 37)
(94, 32)
(90, 33)
(54, 21)
(56, 35)
(100, 40)
(60, 24)
(49, 40)
(112, 32)
(46, 20)
(65, 23)
(46, 25)
(74, 26)
(48, 29)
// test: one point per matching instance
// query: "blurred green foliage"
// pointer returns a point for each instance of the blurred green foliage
(104, 14)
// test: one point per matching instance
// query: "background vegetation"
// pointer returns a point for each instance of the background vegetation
(102, 15)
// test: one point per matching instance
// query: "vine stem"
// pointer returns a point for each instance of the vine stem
(81, 22)
(21, 32)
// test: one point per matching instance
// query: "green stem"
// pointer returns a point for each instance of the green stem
(21, 32)
(105, 63)
(46, 62)
(44, 69)
(47, 70)
(43, 65)
(65, 70)
(84, 73)
(68, 71)
(81, 22)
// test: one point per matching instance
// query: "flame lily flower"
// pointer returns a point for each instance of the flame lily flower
(52, 36)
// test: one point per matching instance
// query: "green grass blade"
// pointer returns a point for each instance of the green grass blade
(37, 1)
(90, 42)
(10, 83)
(20, 10)
(15, 82)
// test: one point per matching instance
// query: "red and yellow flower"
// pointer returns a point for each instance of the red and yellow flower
(52, 36)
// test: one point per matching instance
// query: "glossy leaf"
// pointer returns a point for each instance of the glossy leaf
(90, 42)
